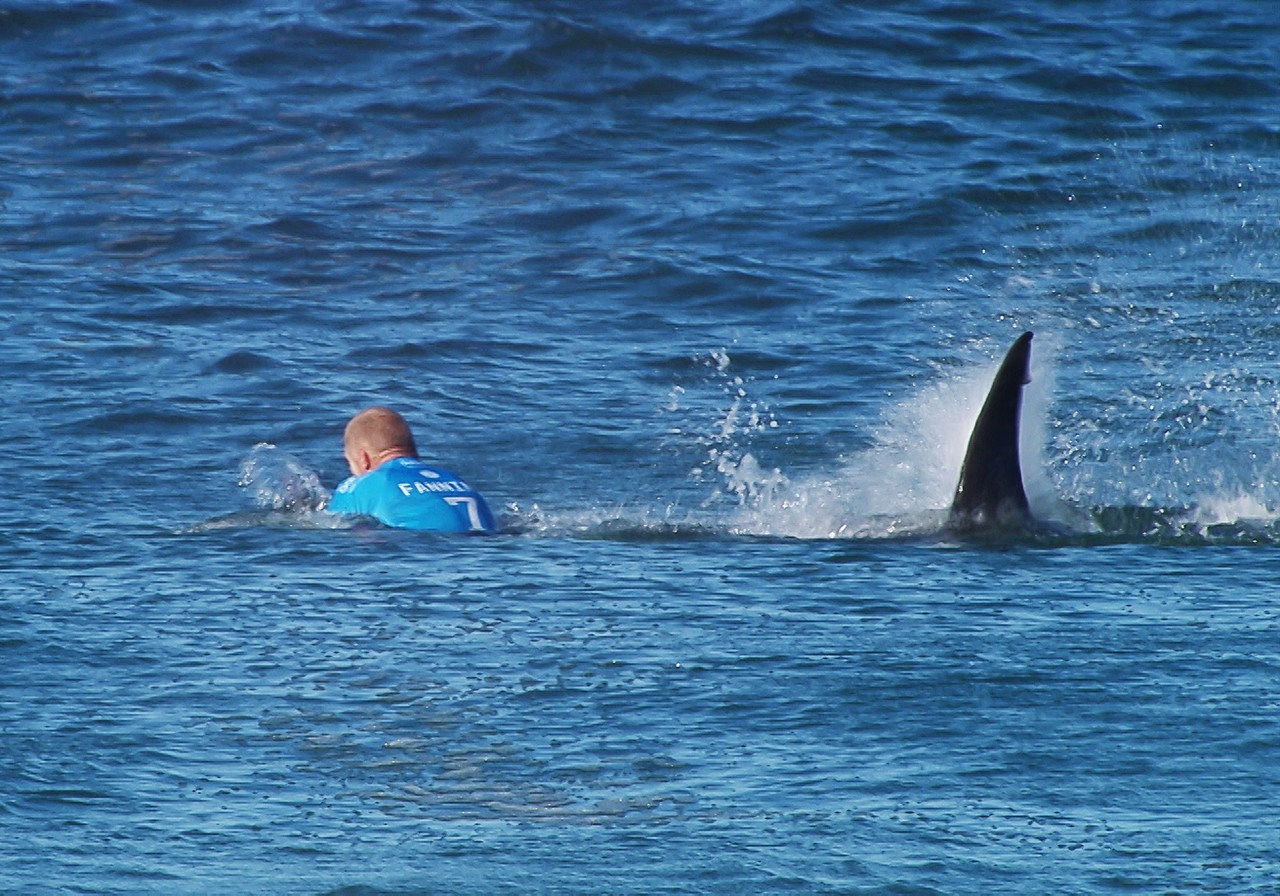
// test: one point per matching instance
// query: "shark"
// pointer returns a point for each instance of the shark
(990, 495)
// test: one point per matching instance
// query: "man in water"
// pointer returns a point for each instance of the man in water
(390, 484)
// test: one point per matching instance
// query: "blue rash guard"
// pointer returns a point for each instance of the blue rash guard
(408, 494)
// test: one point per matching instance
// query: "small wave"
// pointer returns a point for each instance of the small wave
(242, 362)
(279, 481)
(286, 495)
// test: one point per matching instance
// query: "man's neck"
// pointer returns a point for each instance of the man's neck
(389, 455)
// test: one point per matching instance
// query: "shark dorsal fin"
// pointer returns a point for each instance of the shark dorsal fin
(990, 491)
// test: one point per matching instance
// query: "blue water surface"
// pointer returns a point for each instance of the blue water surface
(704, 298)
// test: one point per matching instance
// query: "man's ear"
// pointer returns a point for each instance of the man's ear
(365, 460)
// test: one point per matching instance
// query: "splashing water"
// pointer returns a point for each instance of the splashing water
(279, 481)
(744, 478)
(901, 486)
(1084, 477)
(904, 483)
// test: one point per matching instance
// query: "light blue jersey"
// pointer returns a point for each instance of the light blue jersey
(408, 494)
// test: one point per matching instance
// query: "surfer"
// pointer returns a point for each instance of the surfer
(389, 483)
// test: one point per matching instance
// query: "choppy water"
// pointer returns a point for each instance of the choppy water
(704, 298)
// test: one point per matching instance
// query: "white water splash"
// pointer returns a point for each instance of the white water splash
(903, 484)
(279, 481)
(727, 460)
(1232, 508)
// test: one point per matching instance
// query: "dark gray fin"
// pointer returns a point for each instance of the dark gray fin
(990, 492)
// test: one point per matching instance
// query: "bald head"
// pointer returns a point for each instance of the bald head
(374, 436)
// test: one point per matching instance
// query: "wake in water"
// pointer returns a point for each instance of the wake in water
(285, 493)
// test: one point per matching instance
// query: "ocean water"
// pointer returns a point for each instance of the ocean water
(704, 297)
